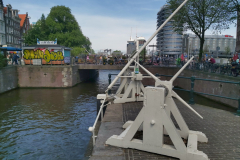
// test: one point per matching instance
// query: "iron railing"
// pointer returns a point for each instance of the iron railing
(92, 129)
(191, 100)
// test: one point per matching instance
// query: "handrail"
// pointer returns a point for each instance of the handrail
(191, 101)
(92, 129)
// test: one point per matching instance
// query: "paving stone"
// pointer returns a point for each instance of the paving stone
(221, 127)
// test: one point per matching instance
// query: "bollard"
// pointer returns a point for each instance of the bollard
(191, 101)
(109, 81)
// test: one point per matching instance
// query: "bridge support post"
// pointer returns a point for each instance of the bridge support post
(191, 101)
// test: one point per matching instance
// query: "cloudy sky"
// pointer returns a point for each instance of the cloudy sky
(107, 23)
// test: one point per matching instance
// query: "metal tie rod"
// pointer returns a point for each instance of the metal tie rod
(140, 50)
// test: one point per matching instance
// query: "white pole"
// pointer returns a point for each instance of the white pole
(148, 41)
(177, 74)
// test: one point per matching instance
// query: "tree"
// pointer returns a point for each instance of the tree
(201, 15)
(227, 50)
(60, 24)
(76, 51)
(3, 61)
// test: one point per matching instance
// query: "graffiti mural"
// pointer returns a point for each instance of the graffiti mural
(43, 54)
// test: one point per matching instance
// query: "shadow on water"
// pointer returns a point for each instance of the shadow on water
(205, 101)
(49, 123)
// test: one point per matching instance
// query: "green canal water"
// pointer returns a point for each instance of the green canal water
(52, 124)
(49, 124)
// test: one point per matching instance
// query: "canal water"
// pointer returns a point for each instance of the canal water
(49, 124)
(52, 124)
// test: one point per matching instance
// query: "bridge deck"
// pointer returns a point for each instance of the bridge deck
(112, 67)
(221, 127)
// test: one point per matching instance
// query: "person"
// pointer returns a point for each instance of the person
(115, 59)
(158, 59)
(100, 60)
(87, 58)
(15, 58)
(95, 58)
(120, 60)
(212, 60)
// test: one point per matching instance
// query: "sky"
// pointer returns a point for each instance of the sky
(108, 23)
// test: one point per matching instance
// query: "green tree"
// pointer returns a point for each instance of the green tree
(3, 61)
(60, 24)
(76, 51)
(201, 15)
(227, 50)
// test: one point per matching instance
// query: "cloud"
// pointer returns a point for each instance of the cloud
(113, 33)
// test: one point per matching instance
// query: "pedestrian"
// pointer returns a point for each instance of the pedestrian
(87, 58)
(95, 57)
(115, 59)
(100, 60)
(158, 59)
(14, 58)
(212, 60)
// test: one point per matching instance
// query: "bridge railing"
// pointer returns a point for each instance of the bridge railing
(92, 129)
(192, 92)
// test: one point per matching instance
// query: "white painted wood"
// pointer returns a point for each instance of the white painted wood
(192, 141)
(129, 87)
(181, 100)
(155, 118)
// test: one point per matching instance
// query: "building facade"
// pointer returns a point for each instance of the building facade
(12, 26)
(2, 25)
(131, 46)
(135, 45)
(24, 24)
(215, 45)
(169, 43)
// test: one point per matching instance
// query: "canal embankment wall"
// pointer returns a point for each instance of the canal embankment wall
(43, 77)
(52, 76)
(215, 88)
(8, 78)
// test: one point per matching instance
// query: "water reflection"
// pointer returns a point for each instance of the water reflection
(49, 123)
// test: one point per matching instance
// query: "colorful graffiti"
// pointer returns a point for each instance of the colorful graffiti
(43, 54)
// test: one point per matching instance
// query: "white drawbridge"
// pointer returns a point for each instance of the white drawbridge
(155, 117)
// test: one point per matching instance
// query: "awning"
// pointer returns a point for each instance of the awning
(10, 48)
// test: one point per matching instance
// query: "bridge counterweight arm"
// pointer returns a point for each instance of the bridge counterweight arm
(148, 41)
(180, 71)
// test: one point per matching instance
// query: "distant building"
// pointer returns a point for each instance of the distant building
(135, 45)
(24, 24)
(169, 43)
(33, 24)
(2, 25)
(12, 26)
(131, 46)
(212, 42)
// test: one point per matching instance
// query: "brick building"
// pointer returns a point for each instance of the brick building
(2, 25)
(12, 26)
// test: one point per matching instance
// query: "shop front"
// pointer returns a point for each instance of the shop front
(44, 54)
